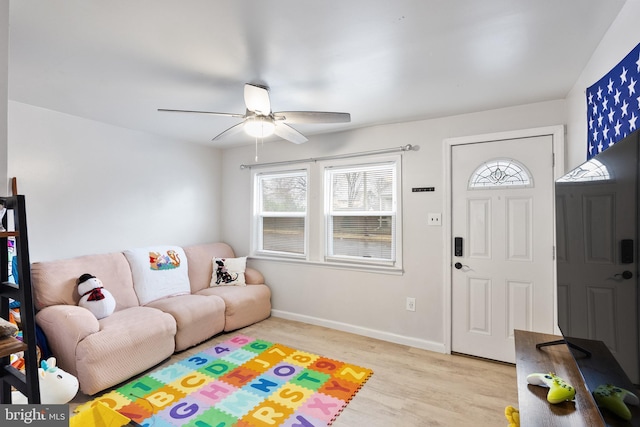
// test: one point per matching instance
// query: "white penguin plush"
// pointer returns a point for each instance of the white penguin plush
(94, 297)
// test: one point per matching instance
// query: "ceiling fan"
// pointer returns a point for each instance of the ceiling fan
(260, 122)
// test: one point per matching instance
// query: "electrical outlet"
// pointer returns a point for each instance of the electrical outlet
(435, 219)
(411, 304)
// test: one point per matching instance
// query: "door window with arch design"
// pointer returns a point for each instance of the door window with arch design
(500, 173)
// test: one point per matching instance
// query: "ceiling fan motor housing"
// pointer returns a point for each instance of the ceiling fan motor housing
(259, 126)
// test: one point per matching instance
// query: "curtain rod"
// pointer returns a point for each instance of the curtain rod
(407, 147)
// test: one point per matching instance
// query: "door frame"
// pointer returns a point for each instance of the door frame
(557, 134)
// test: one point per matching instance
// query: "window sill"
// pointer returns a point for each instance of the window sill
(398, 271)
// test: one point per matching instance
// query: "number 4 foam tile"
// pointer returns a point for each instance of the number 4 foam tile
(218, 350)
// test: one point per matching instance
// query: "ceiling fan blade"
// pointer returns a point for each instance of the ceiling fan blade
(312, 117)
(289, 133)
(166, 110)
(256, 98)
(231, 131)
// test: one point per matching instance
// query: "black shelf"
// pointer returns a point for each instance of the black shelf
(27, 383)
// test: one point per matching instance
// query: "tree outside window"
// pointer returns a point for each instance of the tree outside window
(361, 219)
(282, 212)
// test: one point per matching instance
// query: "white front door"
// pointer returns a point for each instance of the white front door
(503, 211)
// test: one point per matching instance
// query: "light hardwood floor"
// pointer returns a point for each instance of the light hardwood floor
(409, 386)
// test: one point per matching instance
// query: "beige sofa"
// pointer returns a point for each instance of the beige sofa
(103, 353)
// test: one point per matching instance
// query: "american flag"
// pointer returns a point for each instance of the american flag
(613, 105)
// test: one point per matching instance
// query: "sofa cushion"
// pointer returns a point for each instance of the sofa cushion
(128, 342)
(200, 265)
(198, 317)
(54, 282)
(158, 272)
(244, 305)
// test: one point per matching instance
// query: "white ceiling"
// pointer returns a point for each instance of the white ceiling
(383, 61)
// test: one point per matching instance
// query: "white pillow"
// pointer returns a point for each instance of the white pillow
(158, 272)
(228, 271)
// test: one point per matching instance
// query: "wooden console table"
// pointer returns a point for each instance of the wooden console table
(532, 400)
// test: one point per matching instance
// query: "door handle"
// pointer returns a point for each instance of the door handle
(626, 275)
(459, 265)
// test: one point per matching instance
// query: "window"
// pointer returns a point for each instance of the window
(281, 212)
(500, 173)
(361, 212)
(344, 213)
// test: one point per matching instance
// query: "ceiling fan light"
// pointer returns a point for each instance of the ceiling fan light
(259, 127)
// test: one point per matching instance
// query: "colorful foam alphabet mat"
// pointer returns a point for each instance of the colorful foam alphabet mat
(242, 382)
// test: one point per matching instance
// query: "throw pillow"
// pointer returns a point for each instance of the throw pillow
(228, 271)
(158, 272)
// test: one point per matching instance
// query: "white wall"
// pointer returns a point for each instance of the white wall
(93, 188)
(4, 83)
(622, 37)
(367, 303)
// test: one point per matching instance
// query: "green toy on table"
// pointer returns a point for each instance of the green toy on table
(559, 390)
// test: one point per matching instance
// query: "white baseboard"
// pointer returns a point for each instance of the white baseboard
(359, 330)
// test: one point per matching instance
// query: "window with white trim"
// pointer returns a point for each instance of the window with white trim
(361, 212)
(341, 212)
(281, 212)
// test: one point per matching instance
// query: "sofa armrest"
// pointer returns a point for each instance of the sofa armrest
(253, 276)
(65, 326)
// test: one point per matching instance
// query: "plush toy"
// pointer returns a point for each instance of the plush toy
(94, 297)
(513, 416)
(57, 387)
